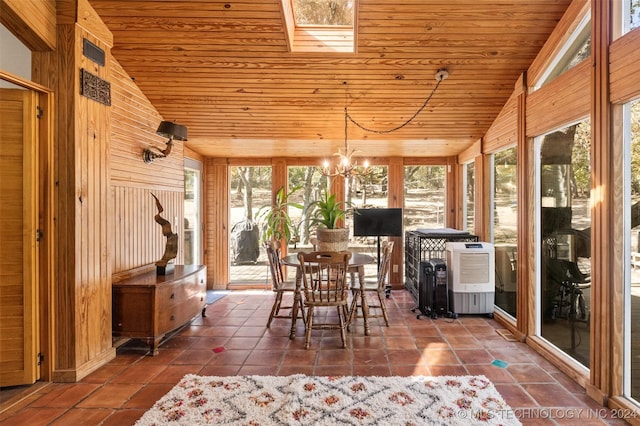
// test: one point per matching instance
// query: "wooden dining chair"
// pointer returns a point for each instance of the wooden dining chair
(324, 279)
(279, 284)
(377, 288)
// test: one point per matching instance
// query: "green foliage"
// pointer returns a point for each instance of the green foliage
(275, 221)
(431, 178)
(328, 211)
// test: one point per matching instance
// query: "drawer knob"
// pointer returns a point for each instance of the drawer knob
(172, 318)
(173, 296)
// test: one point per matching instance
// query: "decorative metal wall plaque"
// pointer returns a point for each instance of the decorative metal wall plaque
(93, 87)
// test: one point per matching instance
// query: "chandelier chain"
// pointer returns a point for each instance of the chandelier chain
(346, 166)
(382, 132)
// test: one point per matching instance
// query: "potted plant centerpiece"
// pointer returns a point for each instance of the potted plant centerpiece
(327, 214)
(276, 223)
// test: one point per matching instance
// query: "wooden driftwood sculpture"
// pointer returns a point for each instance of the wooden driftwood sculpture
(164, 266)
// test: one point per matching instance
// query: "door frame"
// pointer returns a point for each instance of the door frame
(46, 196)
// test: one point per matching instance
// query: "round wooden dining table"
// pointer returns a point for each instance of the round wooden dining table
(356, 265)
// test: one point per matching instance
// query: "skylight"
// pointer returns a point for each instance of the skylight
(328, 13)
(320, 25)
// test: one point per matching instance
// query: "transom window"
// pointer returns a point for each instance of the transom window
(574, 51)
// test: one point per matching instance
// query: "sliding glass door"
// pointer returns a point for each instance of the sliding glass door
(564, 185)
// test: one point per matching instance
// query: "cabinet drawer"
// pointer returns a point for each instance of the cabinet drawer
(182, 290)
(179, 314)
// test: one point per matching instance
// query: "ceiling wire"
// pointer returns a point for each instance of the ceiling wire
(440, 76)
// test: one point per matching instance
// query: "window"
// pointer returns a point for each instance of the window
(630, 15)
(320, 25)
(306, 184)
(424, 200)
(576, 50)
(366, 192)
(504, 231)
(469, 184)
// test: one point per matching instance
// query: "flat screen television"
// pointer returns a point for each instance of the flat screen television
(377, 222)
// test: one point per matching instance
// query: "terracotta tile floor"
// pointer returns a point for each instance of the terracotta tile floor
(232, 340)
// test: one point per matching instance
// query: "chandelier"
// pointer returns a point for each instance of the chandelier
(348, 167)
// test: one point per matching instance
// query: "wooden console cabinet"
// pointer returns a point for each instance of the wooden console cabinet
(148, 306)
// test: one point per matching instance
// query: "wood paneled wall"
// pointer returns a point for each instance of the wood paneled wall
(134, 124)
(216, 235)
(624, 57)
(503, 131)
(137, 238)
(81, 333)
(91, 177)
(470, 153)
(34, 23)
(563, 100)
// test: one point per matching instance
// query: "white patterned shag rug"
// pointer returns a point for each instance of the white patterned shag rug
(345, 400)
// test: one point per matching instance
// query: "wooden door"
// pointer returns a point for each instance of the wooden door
(18, 238)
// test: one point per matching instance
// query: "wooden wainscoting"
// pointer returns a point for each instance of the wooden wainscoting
(137, 238)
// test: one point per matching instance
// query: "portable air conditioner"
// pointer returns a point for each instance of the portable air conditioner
(471, 277)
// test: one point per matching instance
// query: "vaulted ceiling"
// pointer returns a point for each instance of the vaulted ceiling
(224, 69)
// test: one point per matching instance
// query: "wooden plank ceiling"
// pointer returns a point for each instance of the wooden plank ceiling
(224, 69)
